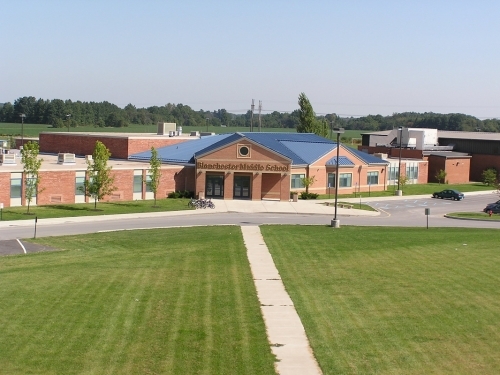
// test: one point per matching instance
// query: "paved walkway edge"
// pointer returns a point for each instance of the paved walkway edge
(285, 331)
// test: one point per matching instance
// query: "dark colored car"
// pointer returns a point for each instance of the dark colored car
(494, 208)
(491, 205)
(449, 194)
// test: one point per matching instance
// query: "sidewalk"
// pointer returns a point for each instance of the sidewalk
(221, 206)
(285, 331)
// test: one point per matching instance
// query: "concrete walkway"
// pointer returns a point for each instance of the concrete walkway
(284, 329)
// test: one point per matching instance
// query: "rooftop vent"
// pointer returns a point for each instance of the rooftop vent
(8, 159)
(64, 158)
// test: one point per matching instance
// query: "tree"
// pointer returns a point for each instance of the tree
(99, 182)
(308, 181)
(441, 176)
(154, 173)
(490, 177)
(31, 168)
(307, 118)
(403, 180)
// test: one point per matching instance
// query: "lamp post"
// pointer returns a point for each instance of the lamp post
(399, 192)
(207, 123)
(336, 222)
(22, 115)
(67, 119)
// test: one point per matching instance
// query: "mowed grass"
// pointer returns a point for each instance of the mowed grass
(394, 300)
(172, 301)
(87, 209)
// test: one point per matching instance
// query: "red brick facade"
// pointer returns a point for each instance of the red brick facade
(121, 147)
(267, 172)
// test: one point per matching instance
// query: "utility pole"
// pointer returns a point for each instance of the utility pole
(260, 110)
(251, 118)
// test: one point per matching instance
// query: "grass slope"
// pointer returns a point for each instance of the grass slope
(87, 209)
(177, 301)
(394, 300)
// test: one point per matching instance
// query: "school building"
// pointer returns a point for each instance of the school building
(227, 166)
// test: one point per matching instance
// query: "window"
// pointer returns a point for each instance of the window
(345, 179)
(138, 184)
(297, 182)
(393, 172)
(372, 178)
(148, 187)
(243, 151)
(412, 171)
(31, 186)
(16, 187)
(331, 180)
(79, 185)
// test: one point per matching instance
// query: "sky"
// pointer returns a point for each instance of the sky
(350, 57)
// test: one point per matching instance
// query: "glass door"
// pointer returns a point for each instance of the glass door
(214, 186)
(241, 187)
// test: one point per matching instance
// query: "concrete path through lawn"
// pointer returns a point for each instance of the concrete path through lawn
(284, 328)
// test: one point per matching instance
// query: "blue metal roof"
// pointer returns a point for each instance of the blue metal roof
(366, 157)
(300, 148)
(343, 160)
(182, 153)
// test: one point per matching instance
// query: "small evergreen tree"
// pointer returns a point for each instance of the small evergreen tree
(490, 177)
(154, 173)
(99, 182)
(31, 168)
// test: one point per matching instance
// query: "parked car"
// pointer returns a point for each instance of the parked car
(449, 194)
(491, 205)
(494, 208)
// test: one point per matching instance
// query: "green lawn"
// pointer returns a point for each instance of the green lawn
(416, 189)
(475, 216)
(394, 300)
(87, 209)
(173, 301)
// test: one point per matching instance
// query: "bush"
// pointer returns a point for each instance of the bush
(304, 195)
(181, 194)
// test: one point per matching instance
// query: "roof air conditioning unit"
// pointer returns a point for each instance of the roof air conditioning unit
(8, 159)
(166, 128)
(64, 158)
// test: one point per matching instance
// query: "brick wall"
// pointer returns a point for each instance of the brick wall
(457, 171)
(258, 155)
(271, 186)
(56, 187)
(5, 189)
(82, 144)
(121, 147)
(479, 163)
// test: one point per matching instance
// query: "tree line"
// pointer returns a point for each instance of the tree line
(62, 113)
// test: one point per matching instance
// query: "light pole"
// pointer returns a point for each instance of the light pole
(22, 115)
(335, 222)
(67, 119)
(399, 192)
(207, 123)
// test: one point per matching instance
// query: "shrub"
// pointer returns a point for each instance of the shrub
(181, 194)
(306, 195)
(490, 176)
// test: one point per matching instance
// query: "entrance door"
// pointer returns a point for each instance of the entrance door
(214, 186)
(241, 187)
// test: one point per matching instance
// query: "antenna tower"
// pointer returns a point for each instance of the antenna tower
(260, 110)
(251, 118)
